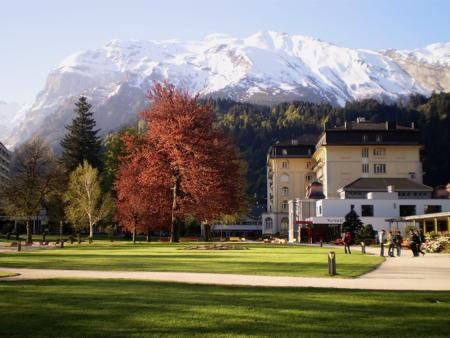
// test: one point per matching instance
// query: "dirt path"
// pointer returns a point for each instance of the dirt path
(431, 272)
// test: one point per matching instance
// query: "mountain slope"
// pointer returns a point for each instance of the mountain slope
(267, 68)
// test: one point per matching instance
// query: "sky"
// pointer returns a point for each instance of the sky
(35, 36)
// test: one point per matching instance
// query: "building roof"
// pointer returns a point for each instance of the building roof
(370, 133)
(300, 147)
(377, 184)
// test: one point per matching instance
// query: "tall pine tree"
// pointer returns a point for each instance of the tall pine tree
(81, 141)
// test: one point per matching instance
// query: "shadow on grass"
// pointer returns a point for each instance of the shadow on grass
(79, 308)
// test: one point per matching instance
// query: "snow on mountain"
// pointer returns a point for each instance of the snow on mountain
(267, 67)
(11, 114)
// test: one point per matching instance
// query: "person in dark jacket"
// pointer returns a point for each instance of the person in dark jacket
(421, 240)
(398, 239)
(413, 241)
(391, 245)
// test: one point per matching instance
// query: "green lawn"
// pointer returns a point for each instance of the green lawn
(118, 308)
(7, 274)
(260, 259)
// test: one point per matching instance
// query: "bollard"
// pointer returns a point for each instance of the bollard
(363, 247)
(19, 246)
(321, 243)
(332, 263)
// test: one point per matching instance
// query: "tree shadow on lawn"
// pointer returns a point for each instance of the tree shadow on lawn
(136, 308)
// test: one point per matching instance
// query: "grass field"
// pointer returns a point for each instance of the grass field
(260, 259)
(114, 308)
(7, 274)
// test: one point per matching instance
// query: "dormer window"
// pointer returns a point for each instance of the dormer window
(284, 152)
(379, 138)
(364, 138)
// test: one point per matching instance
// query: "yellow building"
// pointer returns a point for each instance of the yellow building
(337, 159)
(366, 150)
(289, 171)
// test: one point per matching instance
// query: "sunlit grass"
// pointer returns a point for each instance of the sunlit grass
(260, 259)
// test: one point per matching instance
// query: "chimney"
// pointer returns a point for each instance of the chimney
(390, 188)
(412, 125)
(387, 125)
(345, 125)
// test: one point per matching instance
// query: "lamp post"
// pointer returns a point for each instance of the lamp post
(61, 243)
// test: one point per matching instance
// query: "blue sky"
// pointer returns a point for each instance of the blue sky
(36, 35)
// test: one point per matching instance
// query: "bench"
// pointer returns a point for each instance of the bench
(234, 239)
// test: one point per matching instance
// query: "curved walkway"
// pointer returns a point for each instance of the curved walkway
(431, 272)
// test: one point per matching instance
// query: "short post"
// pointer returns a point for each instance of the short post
(363, 247)
(60, 234)
(321, 242)
(19, 246)
(332, 263)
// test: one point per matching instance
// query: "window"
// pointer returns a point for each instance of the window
(379, 152)
(284, 225)
(308, 178)
(365, 168)
(431, 209)
(407, 210)
(285, 164)
(308, 165)
(268, 225)
(285, 191)
(379, 168)
(412, 175)
(284, 151)
(367, 210)
(284, 204)
(365, 152)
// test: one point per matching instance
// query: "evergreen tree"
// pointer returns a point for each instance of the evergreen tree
(352, 222)
(81, 141)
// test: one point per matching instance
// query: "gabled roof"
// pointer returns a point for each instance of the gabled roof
(380, 184)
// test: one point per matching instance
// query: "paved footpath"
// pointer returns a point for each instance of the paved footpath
(430, 272)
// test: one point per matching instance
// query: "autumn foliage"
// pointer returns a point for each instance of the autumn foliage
(183, 165)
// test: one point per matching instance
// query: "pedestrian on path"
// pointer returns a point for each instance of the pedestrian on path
(347, 241)
(398, 240)
(390, 241)
(382, 238)
(421, 240)
(413, 242)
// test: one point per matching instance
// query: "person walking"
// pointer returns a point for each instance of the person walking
(398, 240)
(347, 241)
(390, 242)
(381, 239)
(421, 240)
(413, 241)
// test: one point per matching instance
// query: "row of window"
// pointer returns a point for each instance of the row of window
(377, 152)
(378, 168)
(268, 224)
(367, 210)
(285, 165)
(285, 178)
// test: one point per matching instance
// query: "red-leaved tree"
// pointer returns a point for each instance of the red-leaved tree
(142, 205)
(185, 160)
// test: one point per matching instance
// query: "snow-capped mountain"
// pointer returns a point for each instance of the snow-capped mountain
(267, 67)
(430, 66)
(11, 115)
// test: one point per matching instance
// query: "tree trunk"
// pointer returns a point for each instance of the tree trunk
(148, 236)
(29, 233)
(91, 233)
(207, 229)
(174, 235)
(134, 233)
